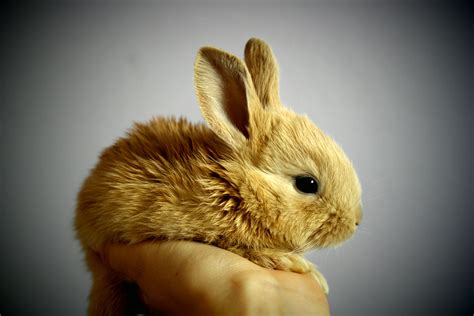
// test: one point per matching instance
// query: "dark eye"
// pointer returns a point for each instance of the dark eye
(306, 184)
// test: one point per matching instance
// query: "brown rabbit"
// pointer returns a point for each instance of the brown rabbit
(262, 181)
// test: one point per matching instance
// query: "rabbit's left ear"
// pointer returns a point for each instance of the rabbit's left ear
(263, 68)
(226, 94)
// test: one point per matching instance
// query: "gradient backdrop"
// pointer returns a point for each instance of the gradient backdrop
(390, 81)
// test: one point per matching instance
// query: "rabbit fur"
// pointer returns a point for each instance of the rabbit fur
(231, 184)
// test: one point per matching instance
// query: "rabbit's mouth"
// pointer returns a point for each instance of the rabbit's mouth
(332, 233)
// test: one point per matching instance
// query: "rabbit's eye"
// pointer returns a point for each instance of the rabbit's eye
(306, 184)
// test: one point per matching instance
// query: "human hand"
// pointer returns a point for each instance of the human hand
(177, 277)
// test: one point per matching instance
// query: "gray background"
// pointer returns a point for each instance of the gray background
(390, 81)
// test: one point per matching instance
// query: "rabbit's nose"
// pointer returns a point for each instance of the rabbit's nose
(358, 215)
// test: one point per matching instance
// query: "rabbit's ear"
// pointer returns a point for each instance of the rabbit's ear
(225, 92)
(263, 68)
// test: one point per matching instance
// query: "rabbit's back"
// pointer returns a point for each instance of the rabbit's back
(145, 185)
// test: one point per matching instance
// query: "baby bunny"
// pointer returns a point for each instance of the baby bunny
(260, 181)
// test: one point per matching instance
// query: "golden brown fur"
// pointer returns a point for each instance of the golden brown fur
(231, 185)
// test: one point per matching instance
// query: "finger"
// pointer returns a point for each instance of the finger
(308, 289)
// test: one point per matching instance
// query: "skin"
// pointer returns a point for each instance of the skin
(206, 280)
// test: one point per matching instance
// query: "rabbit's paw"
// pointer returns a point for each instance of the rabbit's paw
(296, 263)
(321, 280)
(285, 261)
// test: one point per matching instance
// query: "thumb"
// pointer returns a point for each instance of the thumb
(125, 259)
(155, 267)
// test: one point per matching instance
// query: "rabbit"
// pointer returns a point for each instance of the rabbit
(260, 181)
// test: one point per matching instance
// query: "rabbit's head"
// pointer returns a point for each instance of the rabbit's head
(298, 187)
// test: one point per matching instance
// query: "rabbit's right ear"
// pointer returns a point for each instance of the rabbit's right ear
(225, 92)
(263, 68)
